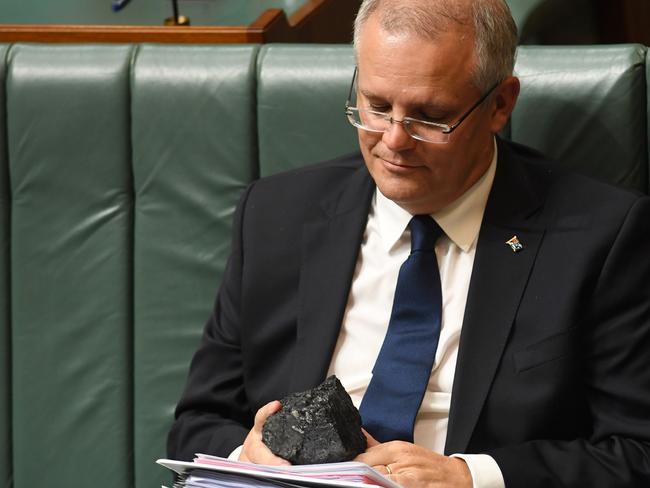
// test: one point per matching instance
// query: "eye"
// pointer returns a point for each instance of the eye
(436, 118)
(379, 108)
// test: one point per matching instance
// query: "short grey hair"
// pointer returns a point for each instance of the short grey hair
(494, 29)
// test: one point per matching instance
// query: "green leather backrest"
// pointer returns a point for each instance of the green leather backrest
(194, 151)
(586, 106)
(301, 100)
(5, 297)
(71, 234)
(126, 163)
(119, 170)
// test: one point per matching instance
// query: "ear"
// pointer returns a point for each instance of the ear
(503, 102)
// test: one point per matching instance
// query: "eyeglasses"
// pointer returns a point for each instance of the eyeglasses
(421, 130)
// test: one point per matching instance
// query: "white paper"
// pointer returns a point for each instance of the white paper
(349, 474)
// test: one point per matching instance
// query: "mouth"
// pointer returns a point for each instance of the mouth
(399, 166)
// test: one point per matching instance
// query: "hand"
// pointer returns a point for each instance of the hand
(414, 466)
(255, 451)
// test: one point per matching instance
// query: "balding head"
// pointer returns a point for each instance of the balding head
(489, 21)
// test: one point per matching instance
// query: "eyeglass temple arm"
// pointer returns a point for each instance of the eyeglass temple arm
(354, 77)
(472, 108)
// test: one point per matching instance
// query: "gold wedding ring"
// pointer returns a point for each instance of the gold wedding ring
(390, 471)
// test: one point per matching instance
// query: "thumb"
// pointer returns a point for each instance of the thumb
(265, 412)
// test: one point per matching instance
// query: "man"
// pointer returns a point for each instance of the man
(540, 373)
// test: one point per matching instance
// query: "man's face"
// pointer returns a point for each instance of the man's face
(409, 76)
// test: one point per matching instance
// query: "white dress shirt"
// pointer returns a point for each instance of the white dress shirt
(386, 245)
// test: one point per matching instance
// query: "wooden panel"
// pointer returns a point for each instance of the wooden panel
(625, 21)
(140, 12)
(324, 21)
(272, 23)
(315, 21)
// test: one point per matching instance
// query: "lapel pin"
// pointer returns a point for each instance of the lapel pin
(514, 244)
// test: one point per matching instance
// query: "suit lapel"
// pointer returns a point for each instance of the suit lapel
(330, 246)
(498, 280)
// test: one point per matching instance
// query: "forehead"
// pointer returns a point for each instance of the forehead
(405, 64)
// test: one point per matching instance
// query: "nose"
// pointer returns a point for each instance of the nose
(396, 138)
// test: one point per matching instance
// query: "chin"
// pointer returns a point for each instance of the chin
(402, 193)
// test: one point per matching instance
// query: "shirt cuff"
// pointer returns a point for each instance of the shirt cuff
(234, 456)
(484, 470)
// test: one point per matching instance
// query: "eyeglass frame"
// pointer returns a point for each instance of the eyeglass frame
(446, 128)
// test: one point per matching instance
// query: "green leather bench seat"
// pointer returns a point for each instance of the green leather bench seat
(5, 298)
(120, 167)
(194, 151)
(71, 235)
(295, 84)
(597, 100)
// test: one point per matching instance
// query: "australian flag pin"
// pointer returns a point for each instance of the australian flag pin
(514, 244)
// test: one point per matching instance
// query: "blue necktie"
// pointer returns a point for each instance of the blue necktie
(403, 366)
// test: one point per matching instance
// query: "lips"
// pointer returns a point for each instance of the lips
(398, 165)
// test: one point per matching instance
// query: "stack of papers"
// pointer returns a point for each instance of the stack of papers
(211, 471)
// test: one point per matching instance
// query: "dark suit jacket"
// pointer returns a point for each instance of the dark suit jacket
(553, 373)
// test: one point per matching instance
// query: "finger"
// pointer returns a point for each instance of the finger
(376, 456)
(370, 439)
(384, 469)
(255, 451)
(263, 455)
(265, 412)
(387, 453)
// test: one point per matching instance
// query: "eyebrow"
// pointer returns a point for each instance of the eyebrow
(438, 110)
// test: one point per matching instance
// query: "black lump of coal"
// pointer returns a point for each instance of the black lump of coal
(316, 426)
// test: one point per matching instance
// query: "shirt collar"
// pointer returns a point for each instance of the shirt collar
(461, 220)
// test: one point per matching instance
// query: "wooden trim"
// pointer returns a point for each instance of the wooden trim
(273, 25)
(307, 10)
(270, 26)
(624, 21)
(128, 34)
(637, 21)
(325, 20)
(314, 21)
(268, 17)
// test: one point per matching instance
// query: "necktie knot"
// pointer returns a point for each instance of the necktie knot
(424, 233)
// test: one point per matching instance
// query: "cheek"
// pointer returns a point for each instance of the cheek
(367, 143)
(368, 140)
(439, 158)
